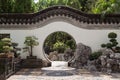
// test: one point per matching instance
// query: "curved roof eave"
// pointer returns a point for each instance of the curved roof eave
(27, 20)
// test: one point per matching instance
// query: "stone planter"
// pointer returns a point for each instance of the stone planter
(31, 63)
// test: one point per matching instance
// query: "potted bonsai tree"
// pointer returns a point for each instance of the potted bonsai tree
(30, 42)
(6, 48)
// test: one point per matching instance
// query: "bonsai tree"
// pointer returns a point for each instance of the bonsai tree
(15, 49)
(113, 44)
(30, 42)
(7, 45)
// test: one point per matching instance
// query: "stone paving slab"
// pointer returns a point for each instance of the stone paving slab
(75, 77)
(37, 74)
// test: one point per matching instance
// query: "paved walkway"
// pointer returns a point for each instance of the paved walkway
(37, 74)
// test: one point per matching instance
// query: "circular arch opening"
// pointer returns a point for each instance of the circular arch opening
(59, 46)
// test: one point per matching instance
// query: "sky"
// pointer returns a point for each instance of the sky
(36, 1)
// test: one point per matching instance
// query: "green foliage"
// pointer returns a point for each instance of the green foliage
(106, 6)
(112, 40)
(59, 41)
(109, 45)
(60, 47)
(103, 45)
(95, 55)
(15, 49)
(6, 6)
(112, 35)
(113, 43)
(6, 45)
(42, 4)
(24, 6)
(30, 42)
(29, 6)
(83, 5)
(1, 46)
(71, 43)
(17, 6)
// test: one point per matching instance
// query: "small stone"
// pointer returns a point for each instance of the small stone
(117, 55)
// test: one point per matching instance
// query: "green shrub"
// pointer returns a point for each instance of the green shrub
(109, 45)
(71, 44)
(5, 45)
(113, 44)
(95, 55)
(113, 40)
(60, 47)
(112, 35)
(103, 45)
(1, 46)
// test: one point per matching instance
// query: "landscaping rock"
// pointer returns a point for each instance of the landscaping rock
(110, 61)
(53, 56)
(91, 65)
(117, 55)
(81, 55)
(68, 54)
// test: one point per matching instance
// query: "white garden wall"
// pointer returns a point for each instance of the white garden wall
(92, 38)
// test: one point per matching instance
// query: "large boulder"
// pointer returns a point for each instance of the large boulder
(81, 55)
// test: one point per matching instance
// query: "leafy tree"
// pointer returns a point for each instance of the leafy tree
(88, 5)
(6, 6)
(29, 6)
(83, 5)
(24, 6)
(106, 6)
(42, 4)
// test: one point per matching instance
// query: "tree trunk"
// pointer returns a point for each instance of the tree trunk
(31, 51)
